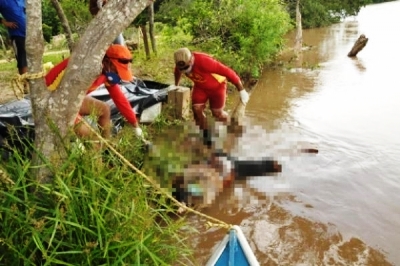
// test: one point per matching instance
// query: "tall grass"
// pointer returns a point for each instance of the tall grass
(97, 211)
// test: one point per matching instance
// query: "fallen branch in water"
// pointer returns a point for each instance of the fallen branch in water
(358, 46)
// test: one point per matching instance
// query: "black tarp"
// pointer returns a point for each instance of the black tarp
(17, 124)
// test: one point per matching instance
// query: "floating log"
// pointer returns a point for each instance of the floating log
(358, 46)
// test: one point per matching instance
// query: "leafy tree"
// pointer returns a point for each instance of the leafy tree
(78, 14)
(243, 34)
(381, 1)
(47, 32)
(319, 13)
(51, 23)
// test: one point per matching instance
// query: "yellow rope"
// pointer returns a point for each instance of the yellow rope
(20, 84)
(218, 223)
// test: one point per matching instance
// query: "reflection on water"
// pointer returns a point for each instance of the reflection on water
(279, 238)
(341, 206)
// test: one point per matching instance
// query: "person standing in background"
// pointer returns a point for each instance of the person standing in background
(14, 19)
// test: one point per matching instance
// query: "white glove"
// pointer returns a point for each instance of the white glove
(244, 96)
(139, 132)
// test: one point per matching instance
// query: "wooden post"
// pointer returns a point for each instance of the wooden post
(179, 100)
(358, 46)
(151, 27)
(145, 41)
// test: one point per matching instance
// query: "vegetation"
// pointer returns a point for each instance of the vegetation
(243, 34)
(51, 23)
(324, 12)
(98, 211)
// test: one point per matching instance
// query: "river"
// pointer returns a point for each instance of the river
(342, 205)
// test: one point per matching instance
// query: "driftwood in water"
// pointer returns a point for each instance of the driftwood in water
(358, 45)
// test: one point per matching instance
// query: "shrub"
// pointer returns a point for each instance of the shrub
(243, 34)
(96, 212)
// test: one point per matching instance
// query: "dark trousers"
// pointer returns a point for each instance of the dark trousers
(18, 44)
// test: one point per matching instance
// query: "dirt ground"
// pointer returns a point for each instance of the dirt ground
(6, 92)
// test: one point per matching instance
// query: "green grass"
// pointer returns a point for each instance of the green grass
(8, 66)
(97, 211)
(55, 58)
(8, 70)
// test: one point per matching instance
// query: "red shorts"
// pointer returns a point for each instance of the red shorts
(215, 97)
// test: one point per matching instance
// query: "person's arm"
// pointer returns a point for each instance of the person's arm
(232, 77)
(122, 104)
(8, 24)
(124, 107)
(244, 96)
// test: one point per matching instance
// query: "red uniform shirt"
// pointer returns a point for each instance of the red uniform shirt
(55, 75)
(210, 74)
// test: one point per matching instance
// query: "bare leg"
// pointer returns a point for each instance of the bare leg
(98, 108)
(199, 116)
(220, 115)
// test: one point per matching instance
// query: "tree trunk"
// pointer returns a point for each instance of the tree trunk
(358, 46)
(151, 27)
(34, 52)
(64, 23)
(54, 112)
(299, 34)
(145, 40)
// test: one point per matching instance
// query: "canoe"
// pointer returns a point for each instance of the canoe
(233, 250)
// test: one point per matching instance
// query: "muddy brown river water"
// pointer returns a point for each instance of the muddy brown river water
(341, 206)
